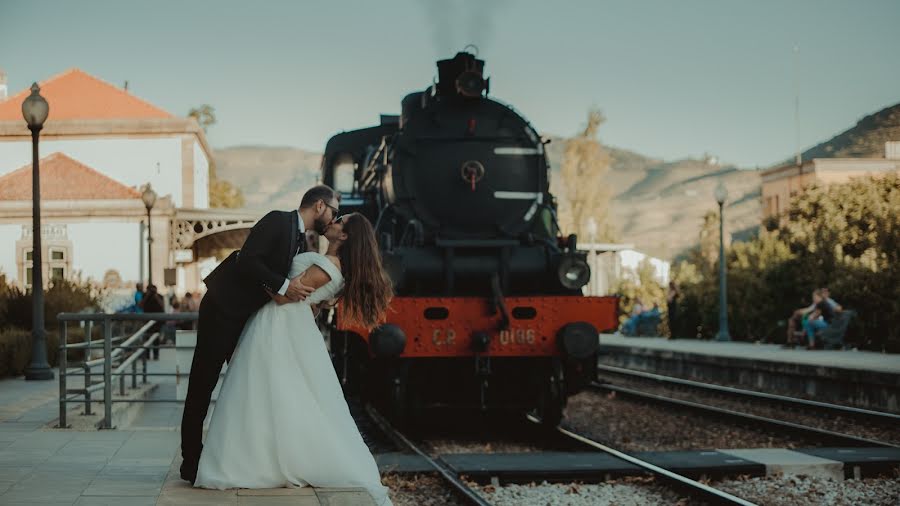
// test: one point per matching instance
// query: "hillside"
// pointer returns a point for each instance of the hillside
(658, 205)
(865, 139)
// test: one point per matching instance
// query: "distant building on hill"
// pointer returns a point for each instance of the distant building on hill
(781, 184)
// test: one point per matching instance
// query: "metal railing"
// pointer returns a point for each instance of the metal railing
(120, 351)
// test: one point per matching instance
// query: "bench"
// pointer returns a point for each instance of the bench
(832, 336)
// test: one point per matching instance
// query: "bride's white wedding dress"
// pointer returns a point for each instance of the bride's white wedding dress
(281, 419)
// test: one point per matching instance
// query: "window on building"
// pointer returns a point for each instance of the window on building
(777, 207)
(29, 276)
(28, 255)
(57, 273)
(57, 254)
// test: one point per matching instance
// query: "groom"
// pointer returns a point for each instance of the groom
(236, 289)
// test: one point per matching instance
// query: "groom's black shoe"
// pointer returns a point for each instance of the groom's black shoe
(188, 472)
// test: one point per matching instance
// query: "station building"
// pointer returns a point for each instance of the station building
(780, 184)
(98, 149)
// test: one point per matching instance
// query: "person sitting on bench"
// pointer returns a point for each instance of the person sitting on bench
(820, 317)
(796, 323)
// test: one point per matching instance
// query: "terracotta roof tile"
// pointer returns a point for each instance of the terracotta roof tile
(75, 94)
(63, 178)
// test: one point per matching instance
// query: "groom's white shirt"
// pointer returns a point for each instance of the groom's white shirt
(302, 228)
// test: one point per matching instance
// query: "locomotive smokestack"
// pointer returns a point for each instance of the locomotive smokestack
(463, 75)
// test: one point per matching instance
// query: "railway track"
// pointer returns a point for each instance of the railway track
(861, 414)
(694, 488)
(449, 476)
(781, 426)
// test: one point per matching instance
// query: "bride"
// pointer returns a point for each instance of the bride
(281, 419)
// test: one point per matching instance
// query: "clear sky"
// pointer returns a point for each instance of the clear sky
(674, 78)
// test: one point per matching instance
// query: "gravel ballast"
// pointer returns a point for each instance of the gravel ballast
(626, 492)
(419, 490)
(630, 425)
(810, 491)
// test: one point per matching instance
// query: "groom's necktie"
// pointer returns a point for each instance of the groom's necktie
(301, 242)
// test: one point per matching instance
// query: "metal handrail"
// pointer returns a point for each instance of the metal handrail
(114, 348)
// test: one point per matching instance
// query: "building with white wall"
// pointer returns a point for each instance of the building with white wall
(611, 262)
(99, 146)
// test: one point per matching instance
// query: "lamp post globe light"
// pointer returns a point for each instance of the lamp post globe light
(721, 194)
(149, 198)
(35, 110)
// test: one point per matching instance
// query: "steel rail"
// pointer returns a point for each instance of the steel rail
(879, 416)
(781, 425)
(448, 474)
(705, 492)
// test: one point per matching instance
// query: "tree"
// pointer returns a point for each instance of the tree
(709, 237)
(584, 168)
(205, 116)
(224, 194)
(844, 236)
(221, 193)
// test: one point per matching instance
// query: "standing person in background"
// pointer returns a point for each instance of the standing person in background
(672, 307)
(188, 305)
(154, 303)
(139, 298)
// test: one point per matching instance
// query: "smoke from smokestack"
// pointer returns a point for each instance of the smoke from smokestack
(457, 23)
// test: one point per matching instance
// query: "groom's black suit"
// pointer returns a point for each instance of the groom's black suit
(235, 290)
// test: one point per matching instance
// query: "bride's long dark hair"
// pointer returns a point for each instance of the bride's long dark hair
(367, 287)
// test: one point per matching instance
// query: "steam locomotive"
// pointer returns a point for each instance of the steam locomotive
(489, 311)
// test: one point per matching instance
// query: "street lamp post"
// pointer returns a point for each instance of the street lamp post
(592, 234)
(149, 198)
(721, 195)
(35, 110)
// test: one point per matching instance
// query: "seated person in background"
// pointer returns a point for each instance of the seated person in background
(820, 317)
(796, 323)
(629, 328)
(826, 294)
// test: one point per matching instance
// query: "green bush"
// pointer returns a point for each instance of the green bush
(844, 236)
(15, 322)
(15, 348)
(62, 297)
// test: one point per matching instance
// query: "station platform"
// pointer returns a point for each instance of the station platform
(855, 378)
(135, 464)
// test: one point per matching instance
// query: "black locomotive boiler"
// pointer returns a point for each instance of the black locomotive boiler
(489, 311)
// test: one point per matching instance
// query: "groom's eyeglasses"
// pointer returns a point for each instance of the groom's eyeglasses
(340, 219)
(329, 206)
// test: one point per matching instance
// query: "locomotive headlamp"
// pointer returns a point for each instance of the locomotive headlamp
(578, 339)
(573, 272)
(387, 340)
(470, 84)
